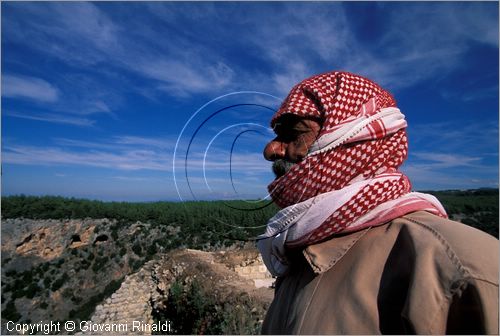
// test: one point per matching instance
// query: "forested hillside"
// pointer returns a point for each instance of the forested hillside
(216, 221)
(477, 208)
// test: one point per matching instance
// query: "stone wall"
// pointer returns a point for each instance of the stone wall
(145, 291)
(131, 302)
(257, 272)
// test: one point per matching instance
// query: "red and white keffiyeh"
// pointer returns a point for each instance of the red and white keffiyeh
(349, 179)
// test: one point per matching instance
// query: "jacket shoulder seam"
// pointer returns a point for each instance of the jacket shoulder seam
(352, 243)
(318, 269)
(449, 250)
(484, 280)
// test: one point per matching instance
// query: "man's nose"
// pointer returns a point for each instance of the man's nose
(275, 150)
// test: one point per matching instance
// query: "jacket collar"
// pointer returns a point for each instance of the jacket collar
(323, 256)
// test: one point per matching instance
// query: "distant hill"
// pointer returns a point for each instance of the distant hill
(222, 222)
(201, 222)
(477, 207)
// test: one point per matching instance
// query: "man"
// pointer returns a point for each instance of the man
(354, 250)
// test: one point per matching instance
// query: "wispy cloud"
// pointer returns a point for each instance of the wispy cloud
(418, 50)
(221, 161)
(414, 52)
(184, 78)
(132, 153)
(77, 33)
(429, 42)
(475, 138)
(119, 142)
(89, 62)
(53, 118)
(446, 160)
(423, 177)
(437, 170)
(452, 155)
(472, 93)
(179, 67)
(144, 141)
(16, 86)
(52, 156)
(130, 178)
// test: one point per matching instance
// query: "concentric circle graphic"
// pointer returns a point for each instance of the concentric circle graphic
(218, 153)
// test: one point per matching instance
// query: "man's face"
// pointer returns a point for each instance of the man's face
(294, 137)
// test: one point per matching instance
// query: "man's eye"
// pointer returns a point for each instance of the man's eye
(292, 135)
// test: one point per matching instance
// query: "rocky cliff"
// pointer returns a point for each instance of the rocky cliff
(105, 272)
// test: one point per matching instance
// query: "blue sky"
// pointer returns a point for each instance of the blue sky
(142, 101)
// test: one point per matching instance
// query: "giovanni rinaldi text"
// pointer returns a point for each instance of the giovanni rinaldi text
(86, 326)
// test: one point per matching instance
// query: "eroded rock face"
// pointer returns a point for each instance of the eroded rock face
(46, 239)
(51, 268)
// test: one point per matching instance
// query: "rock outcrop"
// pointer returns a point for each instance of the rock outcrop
(106, 272)
(46, 240)
(145, 294)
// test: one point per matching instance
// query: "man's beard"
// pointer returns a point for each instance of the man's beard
(281, 167)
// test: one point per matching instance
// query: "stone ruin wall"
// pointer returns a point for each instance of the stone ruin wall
(134, 300)
(131, 302)
(257, 272)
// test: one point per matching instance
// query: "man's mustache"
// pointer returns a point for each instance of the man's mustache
(281, 167)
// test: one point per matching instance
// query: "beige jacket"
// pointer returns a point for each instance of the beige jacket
(419, 274)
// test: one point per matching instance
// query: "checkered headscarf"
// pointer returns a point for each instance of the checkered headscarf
(368, 157)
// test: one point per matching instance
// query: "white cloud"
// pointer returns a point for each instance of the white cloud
(182, 67)
(144, 141)
(184, 78)
(99, 106)
(472, 93)
(88, 22)
(446, 160)
(425, 41)
(52, 156)
(119, 143)
(453, 155)
(132, 153)
(423, 177)
(476, 138)
(75, 32)
(16, 86)
(294, 73)
(131, 178)
(126, 153)
(52, 118)
(220, 162)
(419, 42)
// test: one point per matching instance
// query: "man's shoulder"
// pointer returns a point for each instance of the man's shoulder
(472, 249)
(442, 228)
(416, 236)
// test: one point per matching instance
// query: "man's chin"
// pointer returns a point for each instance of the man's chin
(281, 167)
